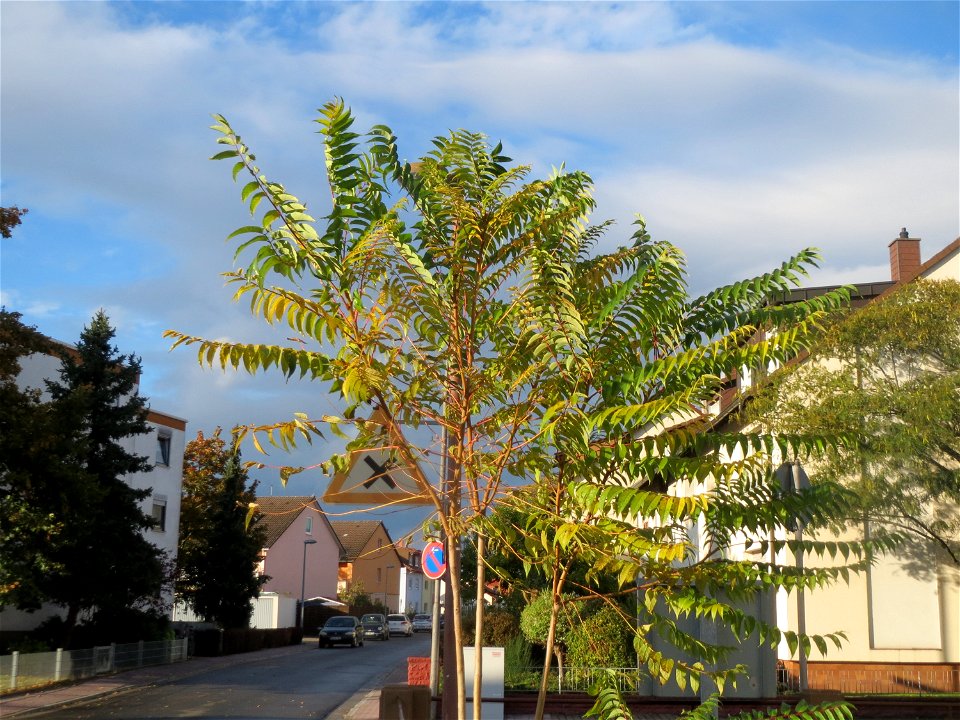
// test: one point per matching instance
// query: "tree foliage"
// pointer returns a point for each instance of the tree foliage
(38, 467)
(886, 377)
(218, 550)
(457, 290)
(10, 217)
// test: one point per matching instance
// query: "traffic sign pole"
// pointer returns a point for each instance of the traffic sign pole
(434, 567)
(435, 646)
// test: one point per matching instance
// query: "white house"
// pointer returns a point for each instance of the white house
(412, 582)
(164, 444)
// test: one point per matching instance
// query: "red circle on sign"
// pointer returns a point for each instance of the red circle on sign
(433, 563)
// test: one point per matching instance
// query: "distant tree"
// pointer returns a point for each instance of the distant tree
(887, 376)
(105, 562)
(218, 551)
(355, 595)
(38, 469)
(9, 219)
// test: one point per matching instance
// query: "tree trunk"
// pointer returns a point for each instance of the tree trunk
(73, 612)
(545, 679)
(453, 568)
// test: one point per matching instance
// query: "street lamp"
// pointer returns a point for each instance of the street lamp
(793, 479)
(303, 577)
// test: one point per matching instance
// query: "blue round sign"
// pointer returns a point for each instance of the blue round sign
(434, 564)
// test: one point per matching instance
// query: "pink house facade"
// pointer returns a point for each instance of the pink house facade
(300, 547)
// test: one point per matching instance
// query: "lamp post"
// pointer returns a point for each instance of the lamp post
(303, 578)
(801, 482)
(793, 479)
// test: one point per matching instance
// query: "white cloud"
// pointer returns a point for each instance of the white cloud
(741, 156)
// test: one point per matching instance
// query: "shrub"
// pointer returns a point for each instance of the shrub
(535, 619)
(500, 627)
(24, 644)
(602, 639)
(517, 655)
(123, 625)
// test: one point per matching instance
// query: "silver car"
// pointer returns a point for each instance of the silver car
(399, 625)
(422, 623)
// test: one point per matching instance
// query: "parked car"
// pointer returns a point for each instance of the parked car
(375, 626)
(399, 625)
(422, 623)
(343, 629)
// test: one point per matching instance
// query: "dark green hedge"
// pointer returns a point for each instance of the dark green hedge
(230, 642)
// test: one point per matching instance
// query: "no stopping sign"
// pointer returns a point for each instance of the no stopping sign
(434, 564)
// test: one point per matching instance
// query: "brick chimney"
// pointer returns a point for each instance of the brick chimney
(904, 257)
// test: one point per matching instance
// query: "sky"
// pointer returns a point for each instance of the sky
(743, 132)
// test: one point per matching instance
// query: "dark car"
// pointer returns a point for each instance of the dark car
(375, 626)
(342, 629)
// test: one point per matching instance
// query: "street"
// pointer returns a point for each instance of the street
(307, 683)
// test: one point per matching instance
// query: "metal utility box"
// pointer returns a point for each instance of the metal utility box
(492, 687)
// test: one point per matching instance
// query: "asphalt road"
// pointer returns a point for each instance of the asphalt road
(308, 684)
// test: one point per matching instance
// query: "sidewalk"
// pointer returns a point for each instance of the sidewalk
(362, 705)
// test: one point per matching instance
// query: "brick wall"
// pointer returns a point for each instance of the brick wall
(854, 677)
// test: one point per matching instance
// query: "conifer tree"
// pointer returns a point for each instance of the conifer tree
(105, 562)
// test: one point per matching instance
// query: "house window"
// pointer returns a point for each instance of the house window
(309, 528)
(379, 575)
(158, 513)
(379, 543)
(163, 449)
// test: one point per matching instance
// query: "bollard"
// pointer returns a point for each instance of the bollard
(59, 666)
(418, 671)
(14, 666)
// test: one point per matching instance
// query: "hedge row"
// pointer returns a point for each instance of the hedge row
(209, 643)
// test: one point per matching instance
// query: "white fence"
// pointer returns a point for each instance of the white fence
(22, 671)
(571, 679)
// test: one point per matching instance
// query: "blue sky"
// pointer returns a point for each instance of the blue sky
(742, 131)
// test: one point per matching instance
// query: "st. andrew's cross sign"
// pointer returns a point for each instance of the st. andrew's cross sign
(373, 477)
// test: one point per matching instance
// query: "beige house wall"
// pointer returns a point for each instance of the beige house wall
(378, 568)
(901, 610)
(904, 609)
